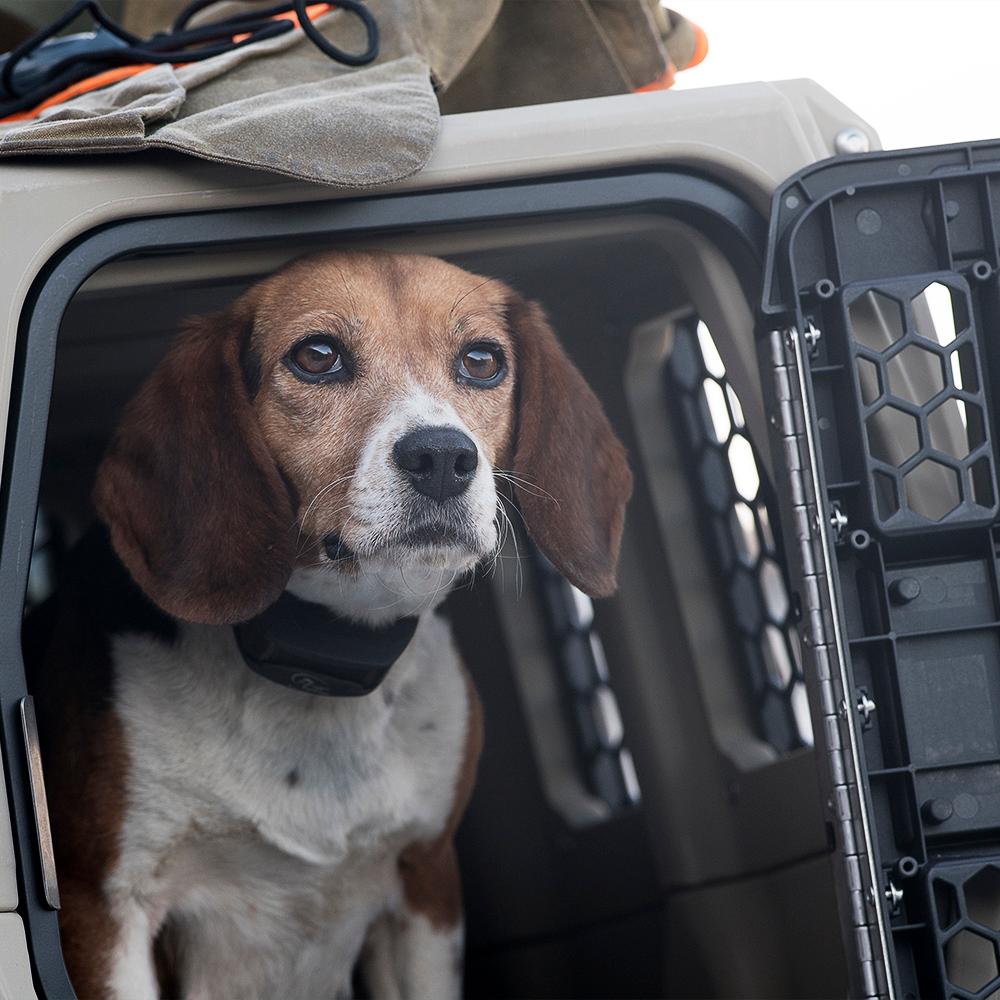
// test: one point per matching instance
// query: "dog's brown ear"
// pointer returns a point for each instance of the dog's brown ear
(575, 479)
(195, 504)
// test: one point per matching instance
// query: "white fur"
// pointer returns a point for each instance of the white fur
(416, 953)
(131, 971)
(270, 887)
(382, 504)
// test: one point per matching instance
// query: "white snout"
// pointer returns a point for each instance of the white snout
(396, 515)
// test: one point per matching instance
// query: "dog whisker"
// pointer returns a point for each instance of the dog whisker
(522, 483)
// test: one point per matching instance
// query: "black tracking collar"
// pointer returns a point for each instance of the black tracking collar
(306, 647)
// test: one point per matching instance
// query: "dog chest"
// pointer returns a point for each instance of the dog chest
(213, 748)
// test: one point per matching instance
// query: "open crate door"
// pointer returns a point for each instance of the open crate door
(887, 426)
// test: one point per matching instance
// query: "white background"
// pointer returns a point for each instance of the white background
(920, 72)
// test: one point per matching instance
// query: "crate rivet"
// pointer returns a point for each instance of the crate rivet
(951, 209)
(904, 590)
(907, 866)
(851, 140)
(860, 539)
(825, 288)
(937, 811)
(981, 270)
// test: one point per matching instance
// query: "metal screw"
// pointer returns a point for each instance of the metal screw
(811, 337)
(838, 521)
(865, 707)
(851, 140)
(894, 896)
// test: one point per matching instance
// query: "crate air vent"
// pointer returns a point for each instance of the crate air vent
(738, 505)
(594, 716)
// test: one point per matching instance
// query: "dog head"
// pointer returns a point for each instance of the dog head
(350, 414)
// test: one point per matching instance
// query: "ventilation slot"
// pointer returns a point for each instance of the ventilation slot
(737, 502)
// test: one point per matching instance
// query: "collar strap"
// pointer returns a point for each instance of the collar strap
(308, 648)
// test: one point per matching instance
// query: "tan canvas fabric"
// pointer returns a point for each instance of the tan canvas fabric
(283, 106)
(280, 105)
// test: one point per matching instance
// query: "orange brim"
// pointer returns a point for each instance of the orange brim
(700, 45)
(84, 86)
(666, 81)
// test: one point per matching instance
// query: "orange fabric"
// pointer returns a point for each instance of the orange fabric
(700, 45)
(664, 82)
(111, 76)
(80, 87)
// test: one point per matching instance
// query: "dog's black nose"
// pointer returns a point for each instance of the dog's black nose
(439, 461)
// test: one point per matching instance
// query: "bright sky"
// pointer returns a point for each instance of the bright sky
(920, 72)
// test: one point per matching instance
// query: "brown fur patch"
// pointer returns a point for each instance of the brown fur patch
(197, 508)
(575, 478)
(86, 765)
(429, 869)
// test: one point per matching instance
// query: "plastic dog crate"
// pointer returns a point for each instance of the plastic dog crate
(648, 819)
(888, 429)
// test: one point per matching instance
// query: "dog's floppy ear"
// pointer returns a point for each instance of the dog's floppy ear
(574, 471)
(196, 506)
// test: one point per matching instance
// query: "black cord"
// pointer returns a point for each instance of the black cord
(305, 22)
(327, 47)
(196, 6)
(173, 46)
(30, 44)
(142, 54)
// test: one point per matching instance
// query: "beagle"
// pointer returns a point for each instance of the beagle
(257, 733)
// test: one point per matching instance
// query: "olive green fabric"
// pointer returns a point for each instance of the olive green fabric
(541, 51)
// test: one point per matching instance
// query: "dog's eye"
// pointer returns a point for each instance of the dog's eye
(481, 364)
(316, 357)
